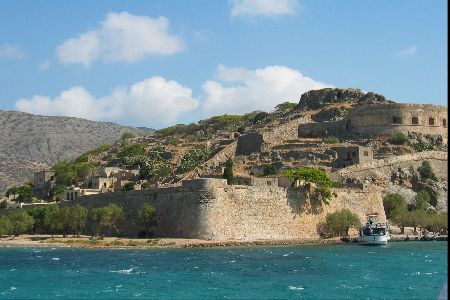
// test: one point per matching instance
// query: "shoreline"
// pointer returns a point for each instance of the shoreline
(27, 241)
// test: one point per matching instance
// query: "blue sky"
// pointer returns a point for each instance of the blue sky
(158, 63)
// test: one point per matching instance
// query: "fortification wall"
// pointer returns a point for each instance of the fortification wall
(378, 119)
(209, 209)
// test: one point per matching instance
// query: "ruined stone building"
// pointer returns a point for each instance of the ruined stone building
(43, 183)
(352, 155)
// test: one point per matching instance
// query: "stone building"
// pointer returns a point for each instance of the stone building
(43, 183)
(388, 118)
(74, 193)
(376, 119)
(352, 155)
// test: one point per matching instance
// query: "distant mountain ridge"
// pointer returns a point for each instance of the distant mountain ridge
(29, 142)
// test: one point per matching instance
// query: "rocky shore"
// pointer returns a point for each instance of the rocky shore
(112, 242)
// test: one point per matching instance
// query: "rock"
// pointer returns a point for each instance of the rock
(316, 99)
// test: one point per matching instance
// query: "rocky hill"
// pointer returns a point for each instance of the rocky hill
(29, 143)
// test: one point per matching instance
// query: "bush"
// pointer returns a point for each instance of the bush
(331, 140)
(399, 138)
(285, 106)
(21, 222)
(421, 146)
(127, 135)
(339, 223)
(172, 140)
(129, 186)
(269, 170)
(108, 218)
(426, 172)
(132, 150)
(393, 203)
(194, 158)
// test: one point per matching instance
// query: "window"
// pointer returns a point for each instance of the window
(366, 153)
(397, 120)
(354, 153)
(444, 123)
(431, 121)
(415, 121)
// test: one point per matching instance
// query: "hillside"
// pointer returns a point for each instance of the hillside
(29, 143)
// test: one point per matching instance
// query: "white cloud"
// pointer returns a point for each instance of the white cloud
(239, 90)
(121, 37)
(146, 103)
(408, 52)
(8, 51)
(44, 65)
(263, 8)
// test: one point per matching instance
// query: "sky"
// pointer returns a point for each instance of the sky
(159, 63)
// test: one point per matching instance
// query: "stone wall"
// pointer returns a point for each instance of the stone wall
(210, 209)
(378, 119)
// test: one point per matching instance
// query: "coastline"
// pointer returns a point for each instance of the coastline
(27, 241)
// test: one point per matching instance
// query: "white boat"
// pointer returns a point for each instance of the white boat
(374, 232)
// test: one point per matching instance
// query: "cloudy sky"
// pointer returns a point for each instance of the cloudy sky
(157, 63)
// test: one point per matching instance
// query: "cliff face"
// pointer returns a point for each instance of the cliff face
(29, 143)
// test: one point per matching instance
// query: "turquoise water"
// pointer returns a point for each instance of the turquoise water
(408, 270)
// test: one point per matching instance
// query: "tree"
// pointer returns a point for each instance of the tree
(108, 217)
(3, 204)
(426, 172)
(340, 222)
(400, 217)
(21, 222)
(51, 223)
(23, 193)
(285, 106)
(78, 219)
(421, 201)
(5, 226)
(132, 150)
(147, 214)
(228, 171)
(393, 202)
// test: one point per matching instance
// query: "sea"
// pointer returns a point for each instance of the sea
(400, 270)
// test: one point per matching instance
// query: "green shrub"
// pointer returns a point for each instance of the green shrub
(127, 135)
(269, 170)
(173, 140)
(194, 158)
(421, 146)
(426, 172)
(318, 177)
(285, 106)
(331, 140)
(421, 201)
(131, 150)
(399, 138)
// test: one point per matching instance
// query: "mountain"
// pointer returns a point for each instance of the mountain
(29, 143)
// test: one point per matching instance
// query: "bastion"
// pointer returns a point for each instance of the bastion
(376, 119)
(210, 209)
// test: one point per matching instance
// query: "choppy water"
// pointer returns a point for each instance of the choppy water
(409, 270)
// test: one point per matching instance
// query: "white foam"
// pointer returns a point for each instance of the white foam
(55, 258)
(124, 271)
(296, 288)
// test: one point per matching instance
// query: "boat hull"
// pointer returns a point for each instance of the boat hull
(374, 239)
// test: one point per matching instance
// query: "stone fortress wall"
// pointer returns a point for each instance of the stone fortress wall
(211, 209)
(383, 119)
